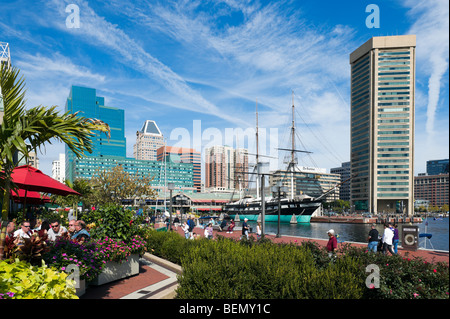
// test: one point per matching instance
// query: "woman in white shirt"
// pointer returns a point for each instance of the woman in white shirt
(387, 239)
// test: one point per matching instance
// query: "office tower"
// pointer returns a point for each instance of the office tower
(436, 167)
(148, 140)
(382, 124)
(183, 155)
(344, 172)
(225, 167)
(88, 104)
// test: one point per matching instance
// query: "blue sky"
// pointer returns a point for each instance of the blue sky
(185, 63)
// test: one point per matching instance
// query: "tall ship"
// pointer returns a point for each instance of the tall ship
(295, 208)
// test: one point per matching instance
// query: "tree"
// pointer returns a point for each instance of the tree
(116, 184)
(24, 130)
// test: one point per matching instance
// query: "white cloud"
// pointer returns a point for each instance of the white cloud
(431, 29)
(107, 35)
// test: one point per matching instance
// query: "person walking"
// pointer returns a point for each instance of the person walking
(388, 236)
(332, 243)
(185, 228)
(191, 224)
(373, 239)
(245, 228)
(258, 230)
(396, 238)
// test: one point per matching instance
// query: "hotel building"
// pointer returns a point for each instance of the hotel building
(226, 167)
(148, 140)
(382, 124)
(183, 155)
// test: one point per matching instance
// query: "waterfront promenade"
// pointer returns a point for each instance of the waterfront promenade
(157, 277)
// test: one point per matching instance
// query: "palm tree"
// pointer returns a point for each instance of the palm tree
(23, 130)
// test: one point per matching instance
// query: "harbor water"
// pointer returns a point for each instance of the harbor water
(439, 228)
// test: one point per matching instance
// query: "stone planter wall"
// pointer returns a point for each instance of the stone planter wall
(82, 289)
(114, 271)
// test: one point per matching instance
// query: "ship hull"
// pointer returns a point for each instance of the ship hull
(301, 209)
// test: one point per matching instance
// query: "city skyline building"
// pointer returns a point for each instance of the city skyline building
(148, 140)
(183, 155)
(344, 172)
(382, 124)
(226, 167)
(180, 174)
(5, 61)
(436, 167)
(433, 189)
(59, 168)
(308, 181)
(85, 101)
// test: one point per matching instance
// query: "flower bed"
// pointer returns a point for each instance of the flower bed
(65, 252)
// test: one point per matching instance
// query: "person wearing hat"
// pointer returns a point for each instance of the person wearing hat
(332, 243)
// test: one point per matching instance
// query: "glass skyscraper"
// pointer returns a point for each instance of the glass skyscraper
(436, 167)
(85, 101)
(382, 124)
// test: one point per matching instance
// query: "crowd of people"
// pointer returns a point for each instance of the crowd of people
(50, 230)
(388, 242)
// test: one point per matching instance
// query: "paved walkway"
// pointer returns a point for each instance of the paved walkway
(156, 280)
(157, 277)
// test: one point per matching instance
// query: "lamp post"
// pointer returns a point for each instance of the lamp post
(171, 187)
(278, 189)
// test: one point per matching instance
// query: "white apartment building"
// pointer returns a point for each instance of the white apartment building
(59, 168)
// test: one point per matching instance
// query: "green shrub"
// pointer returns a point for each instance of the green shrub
(229, 269)
(224, 269)
(112, 221)
(20, 280)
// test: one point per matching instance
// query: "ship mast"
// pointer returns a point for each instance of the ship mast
(257, 152)
(293, 147)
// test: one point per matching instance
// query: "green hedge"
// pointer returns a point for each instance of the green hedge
(225, 268)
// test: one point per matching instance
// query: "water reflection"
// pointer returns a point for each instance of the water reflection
(358, 232)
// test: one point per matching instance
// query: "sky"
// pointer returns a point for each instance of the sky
(200, 68)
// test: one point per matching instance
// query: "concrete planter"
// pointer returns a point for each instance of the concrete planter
(114, 271)
(82, 289)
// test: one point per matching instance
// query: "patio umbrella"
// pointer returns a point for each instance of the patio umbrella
(30, 197)
(32, 179)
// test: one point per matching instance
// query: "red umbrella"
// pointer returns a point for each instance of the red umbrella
(32, 179)
(30, 197)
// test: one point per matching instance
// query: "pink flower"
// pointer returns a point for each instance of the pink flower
(434, 270)
(415, 295)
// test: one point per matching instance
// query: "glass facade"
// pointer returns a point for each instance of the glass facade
(382, 123)
(181, 174)
(85, 101)
(436, 167)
